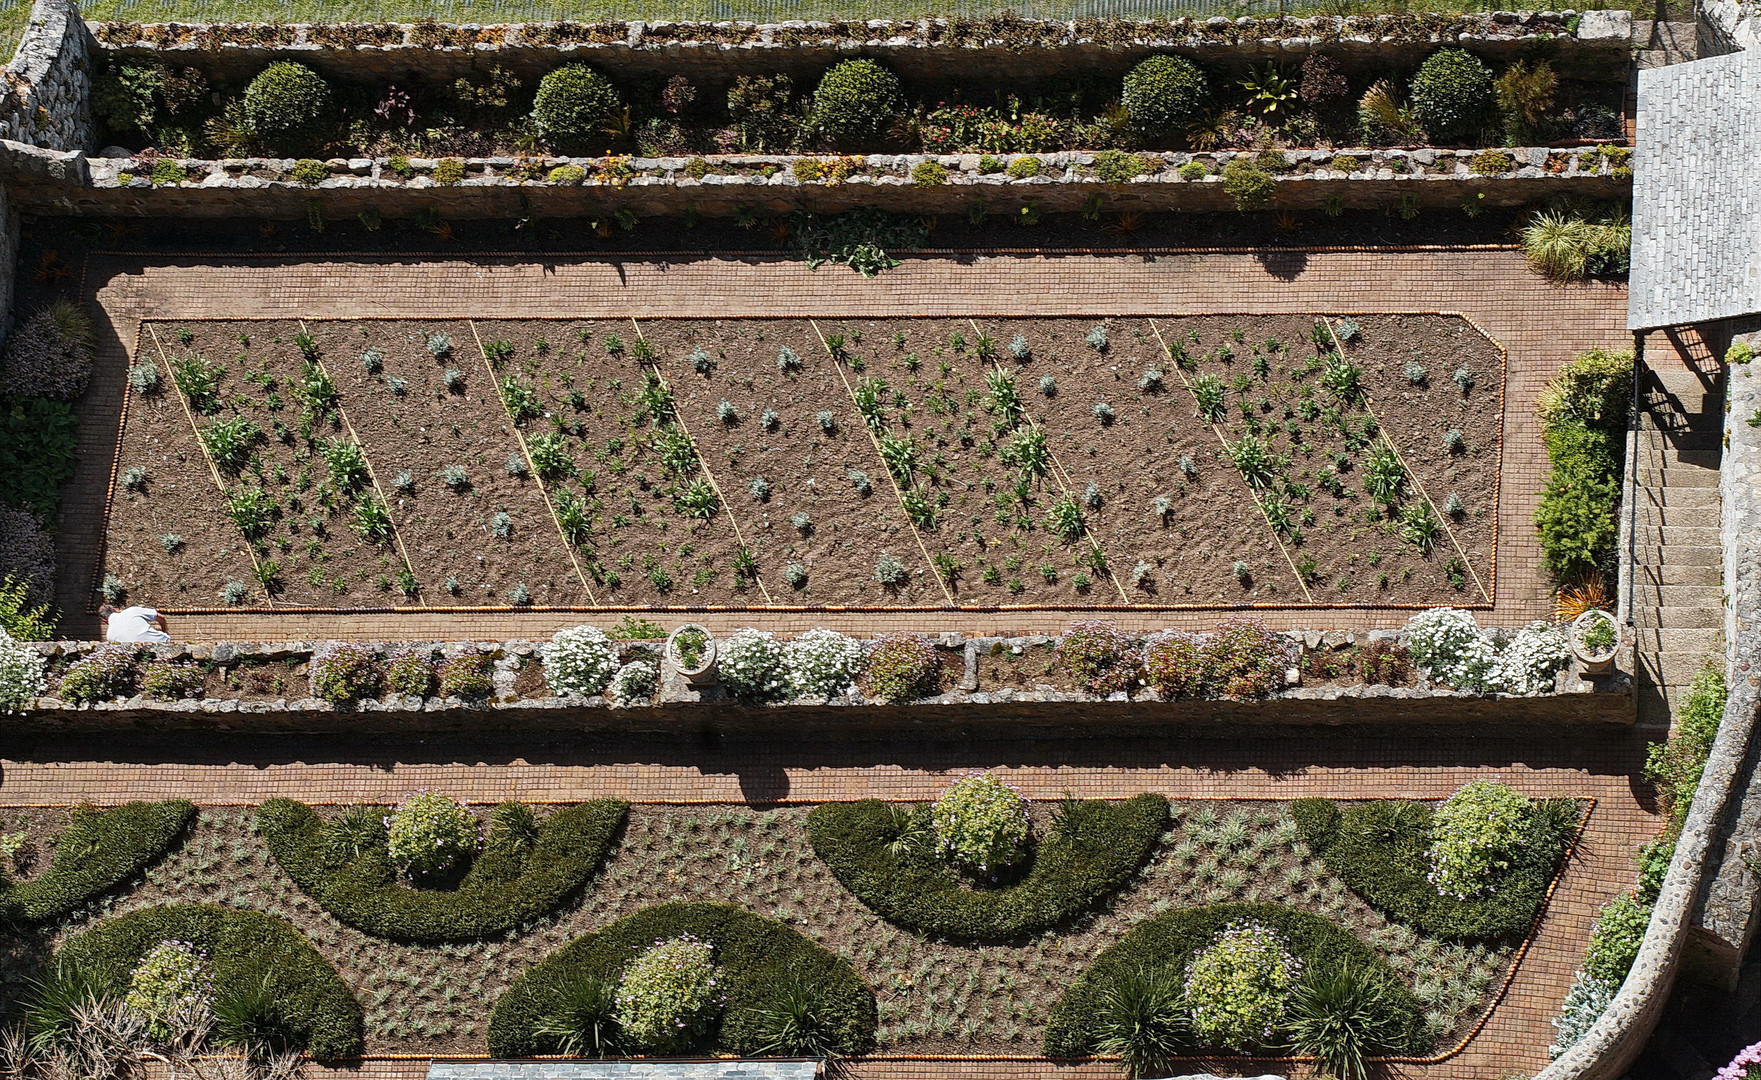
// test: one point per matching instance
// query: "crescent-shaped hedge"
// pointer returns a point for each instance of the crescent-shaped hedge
(1380, 850)
(1093, 851)
(1170, 940)
(760, 961)
(99, 850)
(508, 885)
(245, 949)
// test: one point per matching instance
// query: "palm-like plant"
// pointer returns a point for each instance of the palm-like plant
(1343, 1013)
(1269, 88)
(1143, 1020)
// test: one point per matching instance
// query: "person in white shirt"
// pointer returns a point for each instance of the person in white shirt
(133, 624)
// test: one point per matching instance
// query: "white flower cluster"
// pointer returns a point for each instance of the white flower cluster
(1447, 645)
(1584, 1004)
(21, 674)
(822, 663)
(752, 664)
(579, 662)
(634, 684)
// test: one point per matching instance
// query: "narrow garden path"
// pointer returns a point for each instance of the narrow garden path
(1541, 326)
(1280, 765)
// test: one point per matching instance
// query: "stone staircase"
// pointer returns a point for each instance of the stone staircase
(1678, 575)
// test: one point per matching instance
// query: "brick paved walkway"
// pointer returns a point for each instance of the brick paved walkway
(1541, 325)
(1599, 765)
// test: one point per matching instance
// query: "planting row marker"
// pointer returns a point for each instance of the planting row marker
(1062, 478)
(1442, 518)
(495, 386)
(1255, 495)
(703, 466)
(372, 476)
(213, 470)
(898, 492)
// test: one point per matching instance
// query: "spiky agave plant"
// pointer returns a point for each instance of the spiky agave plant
(1143, 1020)
(1343, 1013)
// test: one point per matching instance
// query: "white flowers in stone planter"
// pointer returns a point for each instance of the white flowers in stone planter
(21, 674)
(1449, 647)
(822, 663)
(751, 664)
(579, 662)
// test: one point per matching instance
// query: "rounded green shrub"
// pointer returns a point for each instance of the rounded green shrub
(667, 995)
(285, 100)
(1475, 835)
(1249, 185)
(430, 835)
(1237, 987)
(1451, 94)
(1164, 92)
(1616, 937)
(572, 103)
(982, 825)
(171, 978)
(856, 100)
(248, 954)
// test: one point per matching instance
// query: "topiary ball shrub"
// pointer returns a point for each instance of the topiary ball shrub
(1249, 185)
(172, 978)
(1238, 987)
(429, 836)
(107, 673)
(1102, 658)
(285, 101)
(342, 671)
(1164, 92)
(667, 996)
(901, 667)
(579, 661)
(572, 103)
(50, 355)
(856, 100)
(982, 826)
(1475, 835)
(1451, 94)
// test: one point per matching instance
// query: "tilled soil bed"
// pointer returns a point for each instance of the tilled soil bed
(1195, 461)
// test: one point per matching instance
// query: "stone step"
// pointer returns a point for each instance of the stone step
(1671, 534)
(1673, 497)
(1649, 594)
(1685, 517)
(1671, 669)
(1697, 641)
(1675, 476)
(1682, 574)
(1684, 451)
(1671, 553)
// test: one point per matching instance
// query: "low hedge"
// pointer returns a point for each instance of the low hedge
(511, 883)
(761, 960)
(1092, 852)
(1168, 942)
(99, 850)
(1380, 851)
(246, 950)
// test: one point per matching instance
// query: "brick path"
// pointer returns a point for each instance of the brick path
(1597, 764)
(1541, 325)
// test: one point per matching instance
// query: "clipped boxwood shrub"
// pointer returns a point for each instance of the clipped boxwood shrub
(1168, 943)
(856, 100)
(526, 870)
(1451, 93)
(1380, 850)
(1092, 851)
(285, 100)
(572, 103)
(99, 850)
(762, 964)
(1164, 92)
(246, 950)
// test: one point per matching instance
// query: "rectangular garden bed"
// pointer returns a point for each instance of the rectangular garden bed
(1208, 461)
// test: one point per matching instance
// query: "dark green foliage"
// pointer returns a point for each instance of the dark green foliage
(883, 857)
(760, 960)
(1167, 942)
(21, 618)
(1583, 420)
(1452, 94)
(39, 442)
(314, 1009)
(582, 1019)
(856, 100)
(1249, 185)
(1343, 1013)
(572, 103)
(1676, 766)
(1615, 940)
(1143, 1019)
(285, 101)
(99, 850)
(1164, 92)
(1380, 850)
(523, 873)
(860, 239)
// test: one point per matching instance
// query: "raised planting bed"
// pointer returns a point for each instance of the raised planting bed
(1173, 461)
(933, 995)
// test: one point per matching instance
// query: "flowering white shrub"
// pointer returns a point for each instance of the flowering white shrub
(752, 664)
(981, 825)
(1527, 665)
(430, 834)
(579, 662)
(1584, 1004)
(170, 980)
(1448, 647)
(666, 995)
(822, 663)
(21, 674)
(1237, 987)
(1473, 836)
(633, 684)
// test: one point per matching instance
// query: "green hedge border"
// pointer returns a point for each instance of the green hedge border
(99, 850)
(1094, 851)
(759, 958)
(506, 888)
(1169, 940)
(1379, 850)
(319, 1012)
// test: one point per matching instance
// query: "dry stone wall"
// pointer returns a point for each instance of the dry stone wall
(47, 100)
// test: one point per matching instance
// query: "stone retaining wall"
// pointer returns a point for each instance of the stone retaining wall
(47, 100)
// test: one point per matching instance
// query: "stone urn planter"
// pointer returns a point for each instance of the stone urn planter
(1594, 638)
(691, 649)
